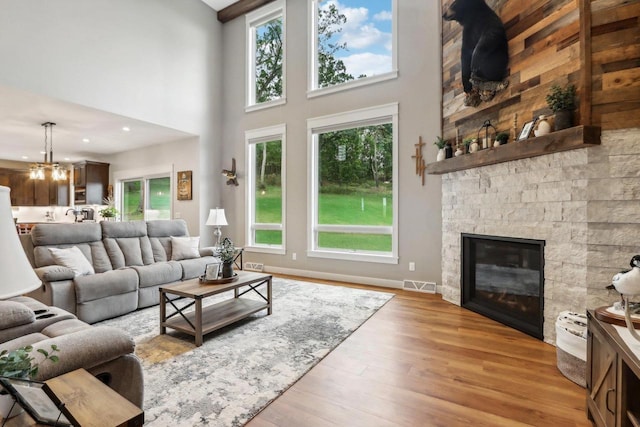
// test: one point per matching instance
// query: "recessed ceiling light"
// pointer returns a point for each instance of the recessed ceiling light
(66, 159)
(126, 129)
(25, 157)
(43, 152)
(85, 140)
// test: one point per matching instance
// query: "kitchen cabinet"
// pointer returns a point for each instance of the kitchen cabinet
(32, 192)
(22, 189)
(90, 181)
(613, 377)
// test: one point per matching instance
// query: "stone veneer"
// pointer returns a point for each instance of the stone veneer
(584, 203)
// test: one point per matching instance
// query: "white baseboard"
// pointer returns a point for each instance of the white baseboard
(373, 281)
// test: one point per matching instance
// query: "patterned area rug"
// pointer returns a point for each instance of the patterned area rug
(240, 369)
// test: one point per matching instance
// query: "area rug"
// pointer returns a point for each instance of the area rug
(240, 369)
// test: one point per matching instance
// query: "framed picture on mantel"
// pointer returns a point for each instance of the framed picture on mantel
(184, 185)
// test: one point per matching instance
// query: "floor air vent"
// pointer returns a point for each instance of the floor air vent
(254, 266)
(416, 285)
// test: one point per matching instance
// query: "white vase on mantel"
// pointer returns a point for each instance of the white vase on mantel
(440, 155)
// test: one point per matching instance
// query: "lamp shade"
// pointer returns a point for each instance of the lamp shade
(18, 276)
(216, 217)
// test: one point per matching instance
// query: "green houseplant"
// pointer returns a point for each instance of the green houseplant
(562, 101)
(502, 138)
(440, 143)
(110, 210)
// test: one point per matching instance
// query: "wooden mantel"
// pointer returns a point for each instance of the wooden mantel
(563, 140)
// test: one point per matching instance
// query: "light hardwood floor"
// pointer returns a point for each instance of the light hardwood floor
(421, 361)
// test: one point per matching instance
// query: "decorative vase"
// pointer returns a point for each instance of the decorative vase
(448, 151)
(563, 119)
(543, 127)
(458, 152)
(227, 269)
(496, 143)
(473, 147)
(440, 155)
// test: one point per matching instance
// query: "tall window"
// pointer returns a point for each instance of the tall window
(146, 198)
(265, 182)
(353, 42)
(266, 54)
(353, 185)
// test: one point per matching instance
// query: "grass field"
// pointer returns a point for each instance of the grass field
(358, 208)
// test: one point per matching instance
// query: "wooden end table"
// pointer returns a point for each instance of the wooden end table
(87, 403)
(203, 320)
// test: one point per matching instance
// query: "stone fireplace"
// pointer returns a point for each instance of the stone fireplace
(584, 203)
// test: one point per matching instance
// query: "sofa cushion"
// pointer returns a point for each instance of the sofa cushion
(72, 258)
(192, 268)
(65, 234)
(43, 256)
(114, 282)
(160, 233)
(127, 243)
(13, 314)
(184, 248)
(159, 273)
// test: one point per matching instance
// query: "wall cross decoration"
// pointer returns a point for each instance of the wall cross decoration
(420, 165)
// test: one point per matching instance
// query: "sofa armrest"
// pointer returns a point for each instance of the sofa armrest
(85, 348)
(54, 273)
(208, 251)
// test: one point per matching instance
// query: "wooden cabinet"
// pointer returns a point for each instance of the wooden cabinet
(613, 378)
(90, 180)
(22, 189)
(29, 192)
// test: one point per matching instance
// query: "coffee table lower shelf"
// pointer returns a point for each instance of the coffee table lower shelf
(217, 316)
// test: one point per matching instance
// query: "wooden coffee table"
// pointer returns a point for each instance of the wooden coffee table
(203, 320)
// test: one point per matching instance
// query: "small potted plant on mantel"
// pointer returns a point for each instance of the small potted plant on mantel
(441, 144)
(562, 102)
(19, 364)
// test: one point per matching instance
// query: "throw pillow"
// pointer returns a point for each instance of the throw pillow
(74, 259)
(185, 248)
(14, 314)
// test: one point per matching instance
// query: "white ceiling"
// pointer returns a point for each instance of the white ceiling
(219, 4)
(21, 133)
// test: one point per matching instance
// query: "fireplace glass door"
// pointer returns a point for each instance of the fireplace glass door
(503, 278)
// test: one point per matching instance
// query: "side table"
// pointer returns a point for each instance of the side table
(88, 403)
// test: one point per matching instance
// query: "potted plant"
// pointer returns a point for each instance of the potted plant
(109, 212)
(227, 254)
(502, 138)
(562, 102)
(19, 364)
(441, 144)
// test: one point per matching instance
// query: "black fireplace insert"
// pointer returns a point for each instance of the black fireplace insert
(503, 279)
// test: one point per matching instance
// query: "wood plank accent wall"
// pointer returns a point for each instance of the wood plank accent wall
(593, 44)
(615, 52)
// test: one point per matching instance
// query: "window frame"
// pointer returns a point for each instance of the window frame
(143, 174)
(342, 121)
(253, 20)
(252, 138)
(313, 90)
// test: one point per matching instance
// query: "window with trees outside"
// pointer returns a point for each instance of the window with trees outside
(353, 42)
(266, 56)
(353, 185)
(146, 198)
(266, 201)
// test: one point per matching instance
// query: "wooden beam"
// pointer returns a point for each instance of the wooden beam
(562, 140)
(239, 8)
(586, 89)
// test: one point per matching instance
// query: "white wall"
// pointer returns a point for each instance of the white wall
(418, 92)
(153, 60)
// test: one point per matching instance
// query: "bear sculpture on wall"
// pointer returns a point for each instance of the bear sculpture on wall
(485, 51)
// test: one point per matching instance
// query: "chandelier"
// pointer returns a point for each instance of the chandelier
(37, 170)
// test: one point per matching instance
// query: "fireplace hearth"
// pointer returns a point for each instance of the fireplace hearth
(503, 279)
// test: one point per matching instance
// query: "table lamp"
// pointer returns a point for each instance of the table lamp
(18, 276)
(217, 219)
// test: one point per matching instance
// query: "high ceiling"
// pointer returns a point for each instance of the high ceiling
(21, 133)
(219, 4)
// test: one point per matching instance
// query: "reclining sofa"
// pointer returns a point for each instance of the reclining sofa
(129, 261)
(106, 352)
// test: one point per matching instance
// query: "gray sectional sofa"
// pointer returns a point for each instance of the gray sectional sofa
(129, 262)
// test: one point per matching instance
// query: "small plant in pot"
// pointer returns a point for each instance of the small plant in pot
(19, 363)
(562, 102)
(502, 138)
(441, 144)
(227, 254)
(109, 212)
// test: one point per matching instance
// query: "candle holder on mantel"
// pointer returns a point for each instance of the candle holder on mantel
(489, 130)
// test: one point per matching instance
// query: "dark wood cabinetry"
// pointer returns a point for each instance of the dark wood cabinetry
(90, 180)
(613, 378)
(32, 192)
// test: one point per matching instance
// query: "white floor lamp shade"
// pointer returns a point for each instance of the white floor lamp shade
(17, 276)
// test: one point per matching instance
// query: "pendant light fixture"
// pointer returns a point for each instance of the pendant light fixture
(37, 170)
